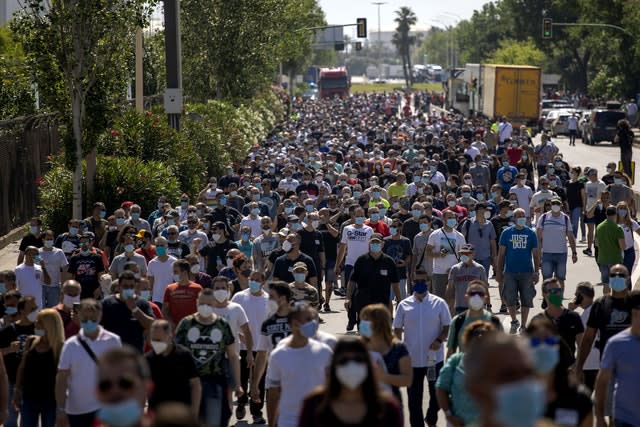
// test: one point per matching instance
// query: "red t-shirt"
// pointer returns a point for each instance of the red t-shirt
(461, 212)
(379, 227)
(514, 155)
(182, 300)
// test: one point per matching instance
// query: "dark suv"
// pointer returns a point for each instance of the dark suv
(602, 125)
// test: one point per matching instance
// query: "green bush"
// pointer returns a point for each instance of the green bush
(117, 179)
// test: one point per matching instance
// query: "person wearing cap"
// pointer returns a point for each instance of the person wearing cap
(443, 246)
(540, 196)
(373, 278)
(215, 252)
(136, 220)
(301, 291)
(129, 254)
(146, 248)
(460, 275)
(86, 267)
(126, 207)
(96, 223)
(283, 266)
(609, 238)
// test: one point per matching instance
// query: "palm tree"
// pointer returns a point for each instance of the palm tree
(402, 40)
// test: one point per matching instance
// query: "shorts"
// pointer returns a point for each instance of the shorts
(554, 263)
(592, 220)
(519, 284)
(439, 285)
(329, 274)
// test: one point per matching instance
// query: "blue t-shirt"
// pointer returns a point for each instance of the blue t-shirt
(518, 244)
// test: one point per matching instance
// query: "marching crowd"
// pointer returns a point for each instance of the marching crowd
(160, 318)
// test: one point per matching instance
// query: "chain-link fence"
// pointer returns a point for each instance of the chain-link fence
(25, 144)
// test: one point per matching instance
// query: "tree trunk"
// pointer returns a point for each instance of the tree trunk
(77, 136)
(409, 65)
(91, 173)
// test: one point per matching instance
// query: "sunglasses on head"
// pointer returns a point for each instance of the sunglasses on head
(123, 383)
(360, 358)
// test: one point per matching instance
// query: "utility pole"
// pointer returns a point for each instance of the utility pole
(173, 49)
(379, 3)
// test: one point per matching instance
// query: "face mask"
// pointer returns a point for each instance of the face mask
(145, 295)
(451, 203)
(10, 310)
(296, 226)
(123, 414)
(393, 230)
(128, 293)
(622, 212)
(129, 248)
(89, 326)
(299, 277)
(309, 329)
(315, 224)
(37, 259)
(365, 328)
(48, 243)
(135, 216)
(286, 246)
(416, 213)
(519, 404)
(375, 217)
(376, 248)
(216, 237)
(452, 222)
(466, 194)
(73, 231)
(468, 181)
(220, 295)
(184, 205)
(352, 374)
(159, 347)
(288, 210)
(383, 213)
(522, 221)
(223, 201)
(103, 214)
(618, 284)
(161, 250)
(545, 358)
(509, 213)
(558, 164)
(476, 302)
(357, 194)
(205, 310)
(487, 215)
(359, 220)
(480, 197)
(524, 157)
(472, 214)
(505, 164)
(387, 170)
(176, 278)
(376, 195)
(424, 227)
(272, 307)
(160, 205)
(171, 222)
(34, 229)
(255, 211)
(33, 316)
(245, 237)
(464, 258)
(551, 171)
(119, 221)
(556, 208)
(254, 286)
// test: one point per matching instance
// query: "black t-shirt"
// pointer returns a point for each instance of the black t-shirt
(574, 195)
(500, 224)
(30, 240)
(39, 380)
(329, 242)
(410, 228)
(311, 243)
(86, 270)
(570, 407)
(569, 326)
(171, 376)
(609, 316)
(117, 318)
(374, 278)
(283, 268)
(9, 334)
(178, 250)
(213, 251)
(276, 328)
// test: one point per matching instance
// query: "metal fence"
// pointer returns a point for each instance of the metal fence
(25, 144)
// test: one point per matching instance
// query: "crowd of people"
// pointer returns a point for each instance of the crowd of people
(130, 317)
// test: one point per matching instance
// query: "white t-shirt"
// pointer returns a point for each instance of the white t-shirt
(524, 194)
(449, 241)
(162, 273)
(54, 262)
(288, 185)
(554, 232)
(628, 233)
(254, 224)
(256, 310)
(234, 315)
(297, 371)
(30, 279)
(572, 123)
(593, 360)
(83, 374)
(321, 336)
(357, 241)
(594, 192)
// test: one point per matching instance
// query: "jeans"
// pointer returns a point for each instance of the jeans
(629, 258)
(254, 408)
(33, 411)
(403, 290)
(82, 420)
(352, 314)
(415, 393)
(554, 263)
(604, 273)
(214, 406)
(486, 263)
(12, 418)
(50, 296)
(576, 214)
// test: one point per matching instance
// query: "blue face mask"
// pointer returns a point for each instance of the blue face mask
(135, 215)
(309, 329)
(161, 250)
(254, 286)
(89, 326)
(383, 213)
(416, 213)
(424, 226)
(10, 310)
(308, 208)
(119, 221)
(255, 211)
(618, 284)
(145, 295)
(464, 258)
(223, 201)
(519, 404)
(420, 287)
(288, 209)
(375, 217)
(127, 293)
(359, 220)
(357, 194)
(522, 221)
(365, 328)
(472, 214)
(299, 277)
(3, 288)
(375, 194)
(452, 222)
(545, 358)
(245, 236)
(103, 214)
(376, 247)
(122, 414)
(393, 230)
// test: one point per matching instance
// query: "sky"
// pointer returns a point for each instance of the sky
(446, 12)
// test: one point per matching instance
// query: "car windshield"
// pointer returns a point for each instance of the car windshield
(608, 118)
(333, 83)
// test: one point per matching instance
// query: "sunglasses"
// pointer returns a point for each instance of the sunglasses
(617, 275)
(474, 293)
(361, 358)
(172, 233)
(553, 340)
(192, 222)
(123, 383)
(554, 291)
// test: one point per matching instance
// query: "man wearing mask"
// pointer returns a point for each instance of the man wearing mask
(136, 221)
(70, 240)
(86, 267)
(226, 214)
(192, 237)
(312, 244)
(264, 245)
(481, 233)
(209, 339)
(460, 275)
(146, 247)
(423, 319)
(160, 271)
(55, 263)
(127, 315)
(32, 276)
(158, 213)
(173, 370)
(584, 299)
(175, 247)
(232, 312)
(12, 340)
(376, 223)
(609, 239)
(216, 251)
(77, 368)
(295, 369)
(398, 248)
(33, 238)
(180, 298)
(609, 315)
(129, 254)
(330, 239)
(70, 296)
(283, 267)
(443, 246)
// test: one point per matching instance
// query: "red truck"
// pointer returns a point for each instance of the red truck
(334, 81)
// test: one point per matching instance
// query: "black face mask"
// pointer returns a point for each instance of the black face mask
(246, 273)
(579, 298)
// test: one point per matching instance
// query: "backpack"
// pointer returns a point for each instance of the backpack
(459, 321)
(566, 220)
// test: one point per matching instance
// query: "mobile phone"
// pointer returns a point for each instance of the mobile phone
(76, 307)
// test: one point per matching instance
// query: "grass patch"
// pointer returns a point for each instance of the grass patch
(388, 87)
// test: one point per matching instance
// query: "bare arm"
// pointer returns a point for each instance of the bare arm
(500, 264)
(586, 343)
(602, 384)
(273, 400)
(62, 380)
(404, 378)
(398, 333)
(247, 338)
(196, 395)
(234, 363)
(258, 369)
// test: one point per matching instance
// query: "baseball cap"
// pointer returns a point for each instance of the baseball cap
(300, 266)
(468, 247)
(376, 237)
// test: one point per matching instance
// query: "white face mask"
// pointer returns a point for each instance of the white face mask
(476, 302)
(487, 214)
(352, 374)
(205, 310)
(217, 237)
(159, 346)
(195, 268)
(272, 307)
(68, 300)
(220, 295)
(286, 246)
(556, 208)
(33, 316)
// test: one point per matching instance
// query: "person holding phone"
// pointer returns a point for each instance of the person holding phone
(68, 307)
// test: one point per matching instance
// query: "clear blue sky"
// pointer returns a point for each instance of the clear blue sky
(347, 11)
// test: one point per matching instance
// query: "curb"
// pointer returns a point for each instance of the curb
(11, 237)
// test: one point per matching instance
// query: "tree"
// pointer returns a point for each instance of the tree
(434, 46)
(16, 95)
(515, 52)
(84, 44)
(403, 40)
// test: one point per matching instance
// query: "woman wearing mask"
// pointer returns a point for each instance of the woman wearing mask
(629, 226)
(576, 198)
(242, 270)
(375, 329)
(450, 387)
(351, 396)
(34, 393)
(568, 405)
(526, 160)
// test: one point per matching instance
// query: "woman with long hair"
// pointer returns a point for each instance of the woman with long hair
(351, 396)
(629, 226)
(34, 395)
(375, 330)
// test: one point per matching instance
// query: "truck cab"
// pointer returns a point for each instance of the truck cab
(334, 81)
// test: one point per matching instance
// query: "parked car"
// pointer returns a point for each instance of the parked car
(554, 104)
(582, 122)
(549, 119)
(602, 125)
(310, 94)
(560, 125)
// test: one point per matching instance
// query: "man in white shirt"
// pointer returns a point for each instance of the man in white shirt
(295, 369)
(288, 183)
(31, 276)
(55, 263)
(76, 403)
(253, 220)
(424, 319)
(443, 246)
(505, 129)
(160, 271)
(524, 194)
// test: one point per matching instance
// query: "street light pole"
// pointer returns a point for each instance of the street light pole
(379, 3)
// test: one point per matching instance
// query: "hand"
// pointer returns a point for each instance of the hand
(14, 347)
(97, 293)
(574, 258)
(455, 421)
(250, 360)
(601, 422)
(239, 391)
(536, 277)
(347, 304)
(131, 303)
(62, 420)
(255, 394)
(337, 270)
(572, 306)
(499, 276)
(197, 241)
(435, 346)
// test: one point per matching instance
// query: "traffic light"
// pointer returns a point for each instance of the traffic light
(547, 24)
(358, 45)
(362, 28)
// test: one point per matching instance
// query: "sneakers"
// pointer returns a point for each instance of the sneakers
(340, 292)
(587, 252)
(320, 320)
(240, 412)
(350, 326)
(259, 419)
(583, 240)
(326, 308)
(514, 326)
(503, 309)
